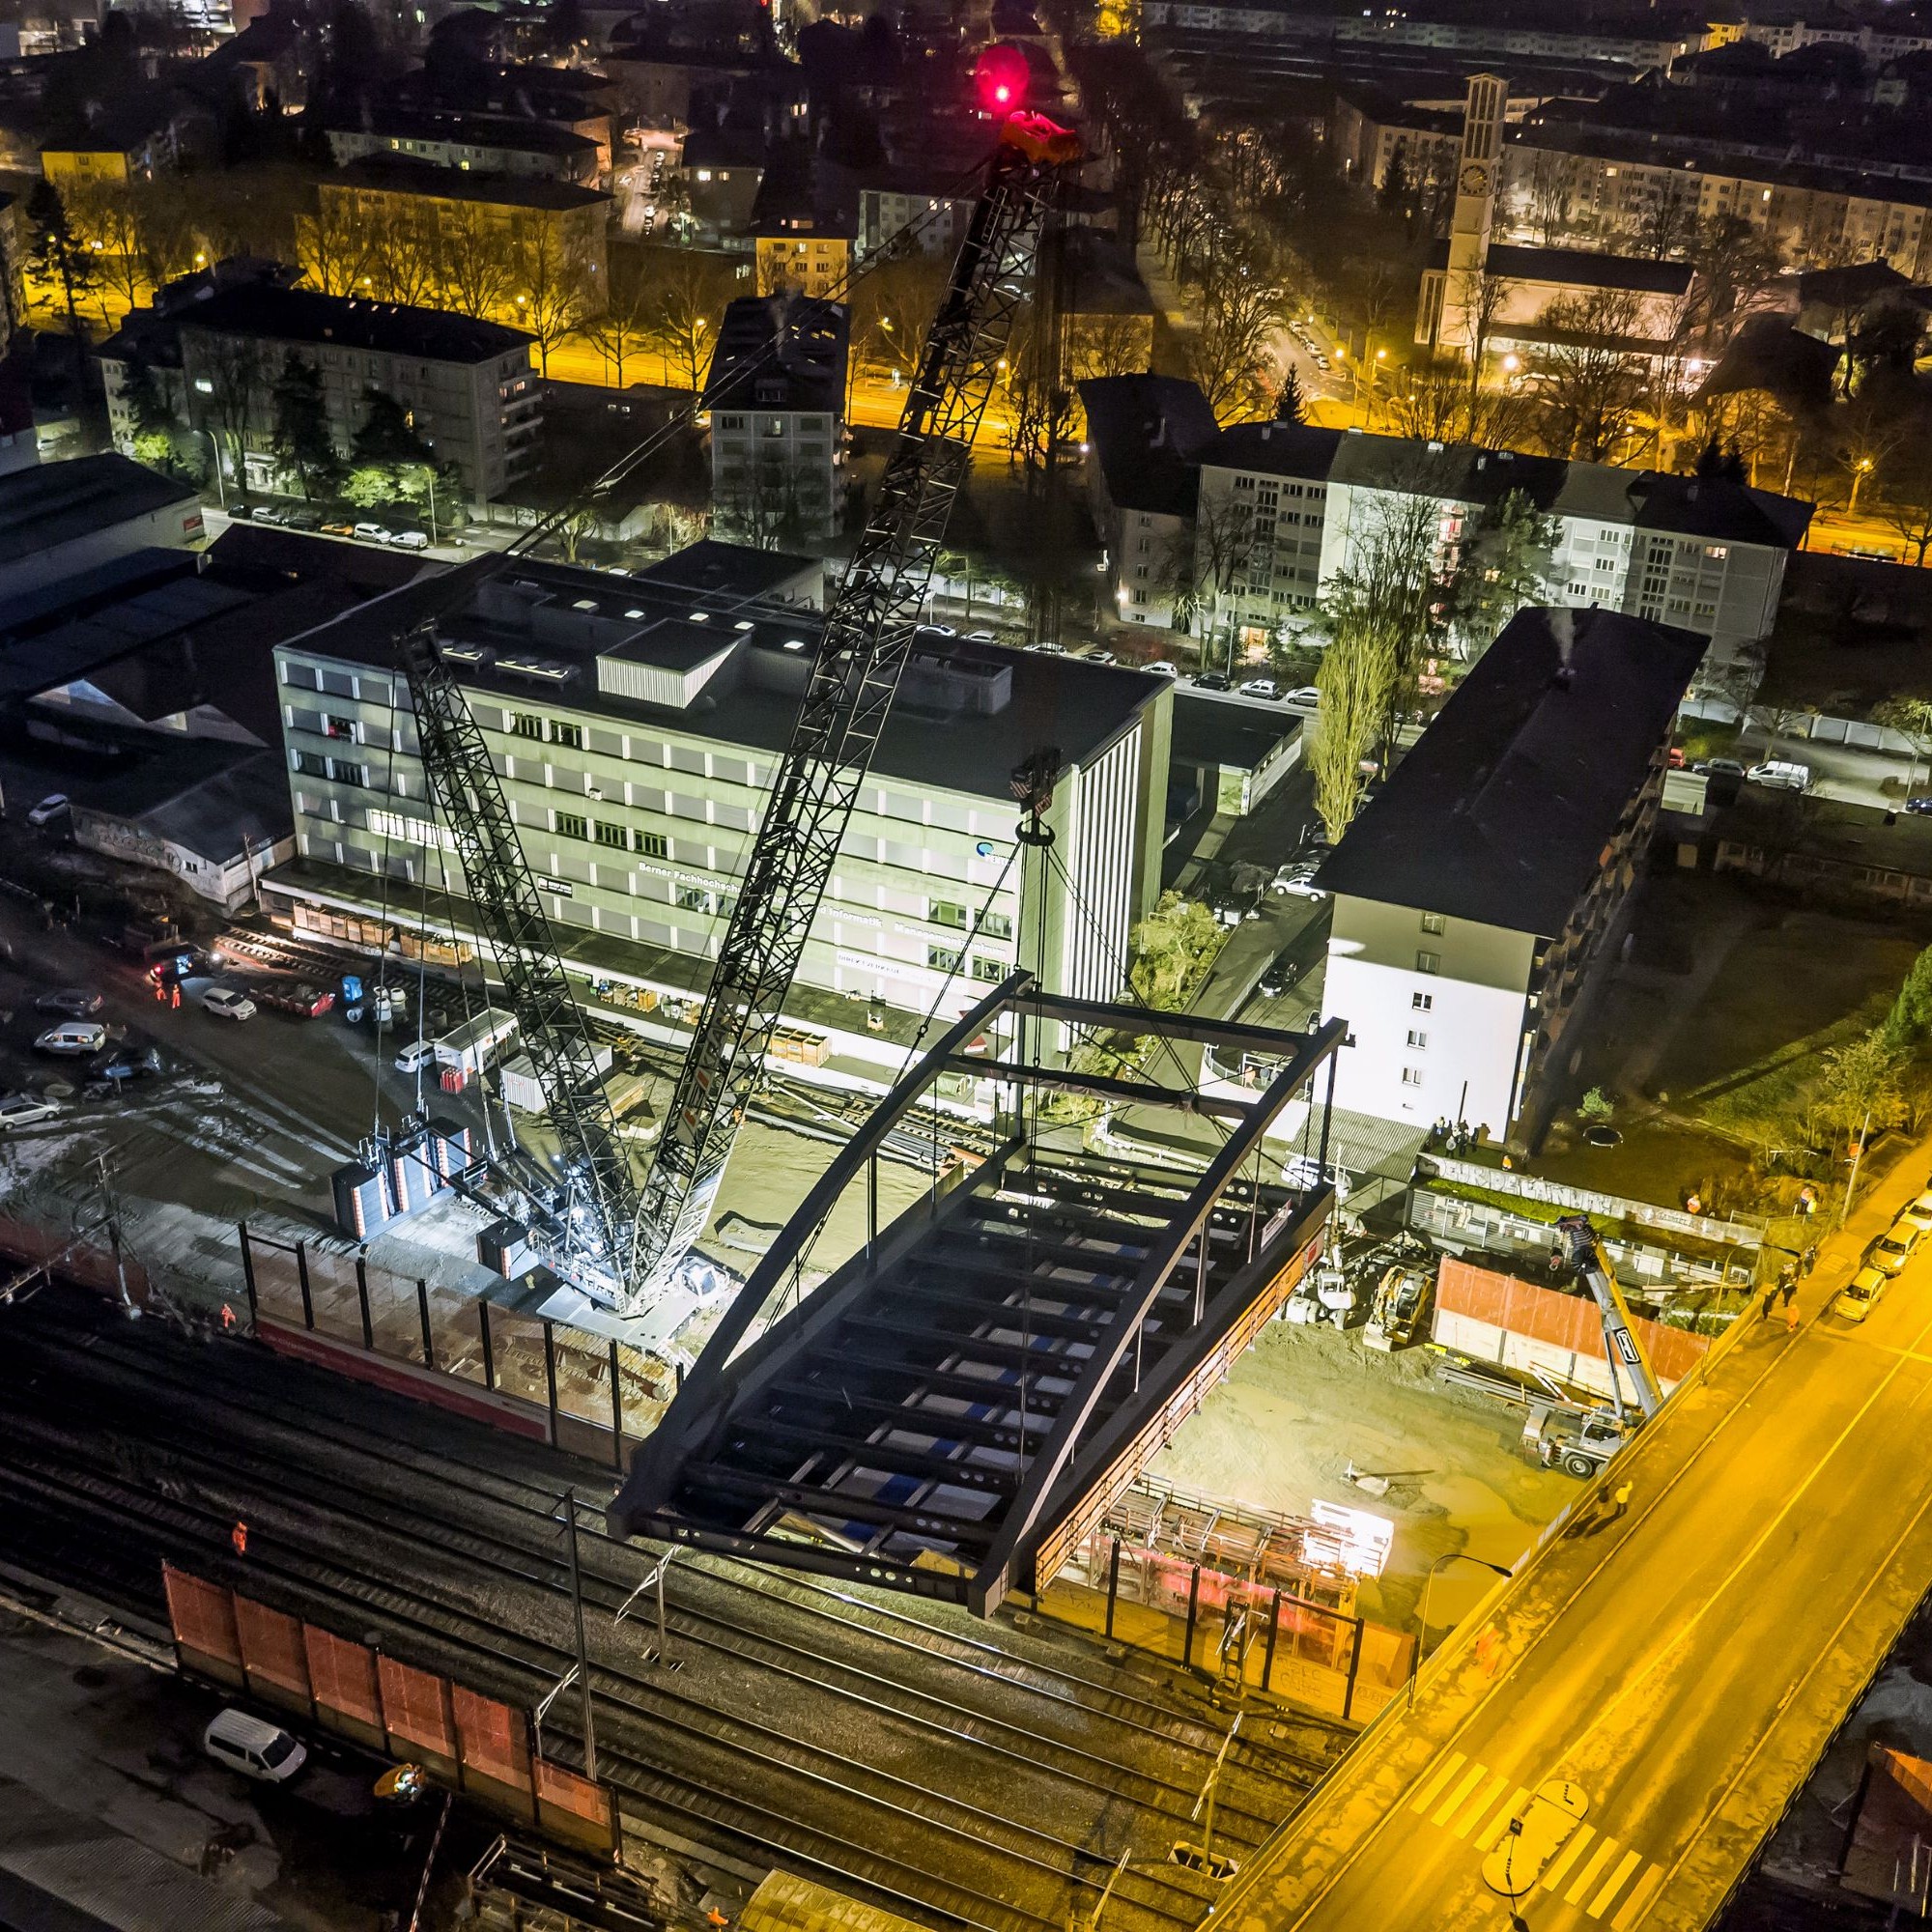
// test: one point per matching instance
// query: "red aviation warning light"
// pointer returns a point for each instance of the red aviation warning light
(1002, 79)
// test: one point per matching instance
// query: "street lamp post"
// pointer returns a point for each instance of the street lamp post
(214, 458)
(1448, 1556)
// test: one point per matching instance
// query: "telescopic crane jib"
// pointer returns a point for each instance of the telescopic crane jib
(613, 1238)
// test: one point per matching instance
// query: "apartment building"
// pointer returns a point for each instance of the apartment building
(636, 726)
(466, 387)
(470, 143)
(775, 390)
(1474, 897)
(926, 202)
(556, 222)
(1283, 508)
(802, 255)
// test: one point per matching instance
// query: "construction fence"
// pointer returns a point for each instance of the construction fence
(584, 1393)
(1242, 1631)
(467, 1742)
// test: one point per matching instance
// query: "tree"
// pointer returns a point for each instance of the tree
(1170, 951)
(106, 225)
(1289, 406)
(387, 437)
(1228, 356)
(626, 314)
(1668, 223)
(1224, 539)
(1546, 192)
(1860, 1088)
(1912, 719)
(479, 266)
(1870, 432)
(1909, 1024)
(234, 370)
(1502, 564)
(1480, 297)
(155, 426)
(1732, 263)
(333, 246)
(1387, 590)
(402, 264)
(301, 442)
(57, 254)
(1886, 337)
(1905, 490)
(556, 288)
(1355, 680)
(690, 293)
(1592, 385)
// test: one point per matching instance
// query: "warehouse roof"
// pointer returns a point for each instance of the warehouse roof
(51, 503)
(1501, 812)
(266, 313)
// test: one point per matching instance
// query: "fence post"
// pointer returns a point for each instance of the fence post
(362, 1301)
(1274, 1626)
(249, 1275)
(301, 1275)
(422, 1309)
(1355, 1665)
(489, 1359)
(550, 1373)
(617, 1432)
(1193, 1610)
(1113, 1586)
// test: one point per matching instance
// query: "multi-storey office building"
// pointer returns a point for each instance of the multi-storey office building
(636, 726)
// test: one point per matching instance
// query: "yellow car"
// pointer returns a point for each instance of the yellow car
(1858, 1295)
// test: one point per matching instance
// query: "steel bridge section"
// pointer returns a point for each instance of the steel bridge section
(954, 1407)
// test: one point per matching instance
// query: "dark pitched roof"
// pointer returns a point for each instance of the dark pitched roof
(1768, 354)
(1149, 434)
(1855, 284)
(1577, 267)
(777, 354)
(271, 314)
(1501, 812)
(411, 176)
(515, 133)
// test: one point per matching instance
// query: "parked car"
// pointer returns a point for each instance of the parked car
(1162, 667)
(408, 540)
(1781, 775)
(49, 808)
(1211, 680)
(25, 1110)
(255, 1748)
(1676, 759)
(1920, 807)
(1297, 878)
(226, 1004)
(302, 519)
(987, 638)
(1303, 695)
(1260, 687)
(380, 534)
(338, 529)
(129, 1060)
(267, 513)
(73, 1038)
(1858, 1295)
(1919, 1213)
(1720, 768)
(298, 997)
(75, 1003)
(1893, 1249)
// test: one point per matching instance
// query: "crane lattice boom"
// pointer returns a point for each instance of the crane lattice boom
(868, 633)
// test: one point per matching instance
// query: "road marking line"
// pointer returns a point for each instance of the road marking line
(1607, 1850)
(1572, 1850)
(1478, 1806)
(1438, 1779)
(1493, 1830)
(1642, 1894)
(1600, 1903)
(1454, 1803)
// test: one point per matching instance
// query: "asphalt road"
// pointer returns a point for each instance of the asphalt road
(1682, 1667)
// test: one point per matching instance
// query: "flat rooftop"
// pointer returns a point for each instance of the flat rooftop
(52, 503)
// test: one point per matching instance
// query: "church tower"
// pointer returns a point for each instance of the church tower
(1477, 172)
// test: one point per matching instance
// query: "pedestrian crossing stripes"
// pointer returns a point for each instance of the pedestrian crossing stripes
(1603, 1879)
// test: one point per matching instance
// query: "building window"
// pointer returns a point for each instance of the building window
(1431, 922)
(524, 726)
(997, 926)
(613, 836)
(693, 898)
(1428, 962)
(941, 912)
(570, 736)
(1418, 1040)
(312, 765)
(1412, 1076)
(344, 773)
(992, 971)
(568, 825)
(942, 959)
(337, 727)
(653, 844)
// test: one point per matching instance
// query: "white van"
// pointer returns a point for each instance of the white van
(417, 1052)
(254, 1749)
(1781, 775)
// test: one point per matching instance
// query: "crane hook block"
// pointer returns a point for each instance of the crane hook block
(1044, 142)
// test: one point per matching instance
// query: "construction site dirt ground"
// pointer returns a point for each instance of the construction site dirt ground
(1306, 1404)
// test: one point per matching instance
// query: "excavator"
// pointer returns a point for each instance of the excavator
(1600, 1436)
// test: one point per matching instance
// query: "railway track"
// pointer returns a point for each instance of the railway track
(965, 1775)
